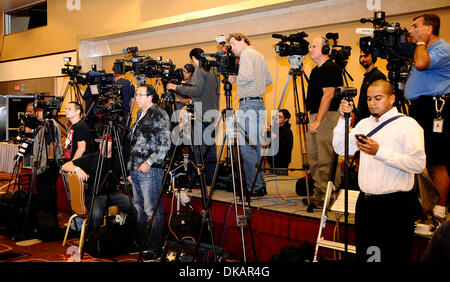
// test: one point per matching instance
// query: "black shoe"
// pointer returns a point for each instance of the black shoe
(316, 204)
(150, 257)
(260, 193)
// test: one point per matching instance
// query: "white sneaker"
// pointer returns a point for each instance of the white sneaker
(440, 211)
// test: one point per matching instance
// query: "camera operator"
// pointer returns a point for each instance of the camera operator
(181, 101)
(204, 91)
(149, 143)
(47, 143)
(384, 216)
(252, 79)
(323, 116)
(79, 141)
(428, 89)
(31, 122)
(127, 92)
(85, 168)
(367, 61)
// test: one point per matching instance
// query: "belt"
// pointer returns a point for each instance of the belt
(250, 98)
(368, 196)
(427, 98)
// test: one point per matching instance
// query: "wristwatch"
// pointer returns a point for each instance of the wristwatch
(148, 162)
(420, 43)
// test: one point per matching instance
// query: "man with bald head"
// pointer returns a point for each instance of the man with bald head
(322, 108)
(384, 215)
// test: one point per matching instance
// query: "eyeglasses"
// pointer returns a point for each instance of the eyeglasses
(141, 95)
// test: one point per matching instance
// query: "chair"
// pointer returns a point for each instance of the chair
(76, 189)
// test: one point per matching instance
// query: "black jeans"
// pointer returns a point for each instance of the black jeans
(46, 199)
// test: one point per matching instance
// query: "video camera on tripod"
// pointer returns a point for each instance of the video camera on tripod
(226, 62)
(109, 100)
(48, 105)
(91, 77)
(294, 44)
(389, 41)
(339, 53)
(148, 67)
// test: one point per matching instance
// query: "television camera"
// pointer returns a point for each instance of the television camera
(148, 67)
(339, 53)
(294, 44)
(226, 62)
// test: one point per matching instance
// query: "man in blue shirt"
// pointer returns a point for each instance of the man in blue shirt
(428, 91)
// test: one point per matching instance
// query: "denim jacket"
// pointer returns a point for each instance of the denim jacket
(149, 137)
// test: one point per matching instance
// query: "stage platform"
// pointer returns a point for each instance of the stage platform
(278, 220)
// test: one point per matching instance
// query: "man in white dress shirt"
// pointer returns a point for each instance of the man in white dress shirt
(384, 218)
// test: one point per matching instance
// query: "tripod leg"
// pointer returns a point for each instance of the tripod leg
(97, 179)
(200, 166)
(246, 214)
(32, 182)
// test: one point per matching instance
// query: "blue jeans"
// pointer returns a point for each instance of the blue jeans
(209, 153)
(250, 117)
(146, 192)
(103, 201)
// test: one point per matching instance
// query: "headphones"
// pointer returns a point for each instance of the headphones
(325, 46)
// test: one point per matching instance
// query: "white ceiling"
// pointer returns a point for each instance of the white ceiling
(6, 5)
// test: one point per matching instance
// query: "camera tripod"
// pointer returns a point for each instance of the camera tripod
(199, 166)
(296, 63)
(73, 89)
(233, 129)
(398, 75)
(109, 130)
(45, 128)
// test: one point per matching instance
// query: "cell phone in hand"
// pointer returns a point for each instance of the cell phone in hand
(360, 138)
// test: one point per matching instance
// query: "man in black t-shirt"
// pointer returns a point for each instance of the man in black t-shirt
(31, 122)
(372, 74)
(322, 106)
(108, 193)
(79, 141)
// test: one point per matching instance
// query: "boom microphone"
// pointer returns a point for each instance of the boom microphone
(279, 36)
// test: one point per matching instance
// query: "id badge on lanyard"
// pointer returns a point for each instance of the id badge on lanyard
(438, 122)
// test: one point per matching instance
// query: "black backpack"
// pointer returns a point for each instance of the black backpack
(12, 213)
(111, 239)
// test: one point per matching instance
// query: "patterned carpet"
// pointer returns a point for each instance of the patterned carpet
(34, 250)
(10, 251)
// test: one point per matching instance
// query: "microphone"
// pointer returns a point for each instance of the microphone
(279, 36)
(365, 31)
